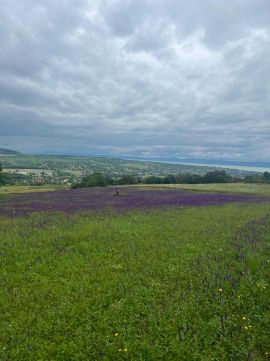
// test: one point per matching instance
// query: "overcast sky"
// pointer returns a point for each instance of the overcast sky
(179, 78)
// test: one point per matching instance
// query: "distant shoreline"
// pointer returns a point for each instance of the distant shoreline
(225, 166)
(250, 168)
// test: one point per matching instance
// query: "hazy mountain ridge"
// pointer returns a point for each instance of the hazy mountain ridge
(5, 151)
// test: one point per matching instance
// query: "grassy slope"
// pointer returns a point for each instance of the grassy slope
(29, 189)
(246, 188)
(152, 285)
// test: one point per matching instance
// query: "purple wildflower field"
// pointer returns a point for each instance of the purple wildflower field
(71, 201)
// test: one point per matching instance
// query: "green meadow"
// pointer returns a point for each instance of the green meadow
(241, 188)
(29, 189)
(175, 283)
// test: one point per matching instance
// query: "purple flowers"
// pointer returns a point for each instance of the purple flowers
(104, 198)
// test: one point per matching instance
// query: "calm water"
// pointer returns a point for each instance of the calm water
(228, 166)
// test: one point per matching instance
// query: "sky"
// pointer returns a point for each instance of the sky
(150, 78)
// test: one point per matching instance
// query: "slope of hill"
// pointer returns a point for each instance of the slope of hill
(44, 169)
(8, 152)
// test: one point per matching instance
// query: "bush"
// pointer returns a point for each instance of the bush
(94, 180)
(2, 176)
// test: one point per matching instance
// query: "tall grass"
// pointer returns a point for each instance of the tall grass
(164, 284)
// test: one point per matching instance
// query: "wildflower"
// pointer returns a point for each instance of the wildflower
(120, 350)
(246, 328)
(220, 289)
(116, 334)
(125, 349)
(249, 326)
(244, 318)
(238, 296)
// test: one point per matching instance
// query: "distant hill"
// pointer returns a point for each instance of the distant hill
(4, 151)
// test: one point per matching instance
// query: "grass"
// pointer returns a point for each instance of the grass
(245, 188)
(29, 189)
(165, 284)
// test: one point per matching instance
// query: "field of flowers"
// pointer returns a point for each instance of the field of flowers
(70, 201)
(151, 282)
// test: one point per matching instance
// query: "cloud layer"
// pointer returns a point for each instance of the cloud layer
(147, 77)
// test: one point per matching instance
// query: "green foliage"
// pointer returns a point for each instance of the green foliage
(217, 176)
(2, 176)
(169, 284)
(152, 179)
(127, 179)
(266, 177)
(99, 180)
(258, 178)
(94, 180)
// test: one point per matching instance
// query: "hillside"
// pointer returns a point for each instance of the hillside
(8, 152)
(143, 284)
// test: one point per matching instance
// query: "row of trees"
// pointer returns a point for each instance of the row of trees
(190, 178)
(218, 176)
(101, 180)
(258, 178)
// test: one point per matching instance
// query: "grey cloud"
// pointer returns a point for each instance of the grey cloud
(136, 77)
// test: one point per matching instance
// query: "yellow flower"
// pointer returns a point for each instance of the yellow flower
(238, 296)
(249, 326)
(119, 350)
(246, 328)
(244, 318)
(220, 289)
(125, 349)
(116, 334)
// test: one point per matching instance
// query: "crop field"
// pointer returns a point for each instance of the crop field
(131, 273)
(114, 198)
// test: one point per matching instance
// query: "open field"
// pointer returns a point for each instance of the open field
(165, 283)
(29, 189)
(245, 188)
(241, 188)
(115, 198)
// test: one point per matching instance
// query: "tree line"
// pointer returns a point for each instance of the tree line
(217, 176)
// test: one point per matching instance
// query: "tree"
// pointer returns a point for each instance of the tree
(266, 177)
(2, 176)
(128, 179)
(152, 179)
(94, 180)
(217, 176)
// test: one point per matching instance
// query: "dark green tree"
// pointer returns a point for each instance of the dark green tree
(216, 176)
(128, 179)
(152, 179)
(2, 176)
(94, 180)
(266, 177)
